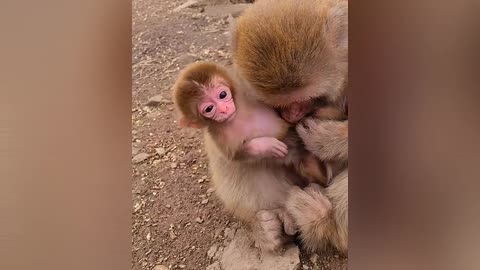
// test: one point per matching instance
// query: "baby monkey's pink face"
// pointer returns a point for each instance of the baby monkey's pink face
(217, 104)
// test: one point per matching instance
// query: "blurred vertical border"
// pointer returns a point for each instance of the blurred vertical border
(414, 150)
(65, 135)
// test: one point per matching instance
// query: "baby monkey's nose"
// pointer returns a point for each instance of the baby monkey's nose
(223, 108)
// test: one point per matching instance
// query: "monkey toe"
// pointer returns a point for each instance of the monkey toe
(269, 234)
(288, 223)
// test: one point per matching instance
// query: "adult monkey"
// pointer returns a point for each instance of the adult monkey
(293, 52)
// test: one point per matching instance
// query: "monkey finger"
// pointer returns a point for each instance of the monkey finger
(282, 144)
(282, 147)
(302, 128)
(282, 150)
(310, 124)
(277, 153)
(288, 223)
(285, 148)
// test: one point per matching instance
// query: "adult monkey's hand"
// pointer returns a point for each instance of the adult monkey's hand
(328, 140)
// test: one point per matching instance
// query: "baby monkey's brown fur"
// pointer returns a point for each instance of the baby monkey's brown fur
(252, 122)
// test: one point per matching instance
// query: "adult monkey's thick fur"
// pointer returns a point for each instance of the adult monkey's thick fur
(292, 51)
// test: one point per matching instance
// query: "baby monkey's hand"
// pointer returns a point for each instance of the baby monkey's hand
(266, 147)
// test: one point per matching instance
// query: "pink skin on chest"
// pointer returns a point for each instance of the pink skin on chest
(248, 119)
(255, 121)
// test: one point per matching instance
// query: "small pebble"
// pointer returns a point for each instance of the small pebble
(140, 158)
(160, 151)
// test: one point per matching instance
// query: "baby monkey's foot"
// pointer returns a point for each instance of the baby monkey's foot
(273, 229)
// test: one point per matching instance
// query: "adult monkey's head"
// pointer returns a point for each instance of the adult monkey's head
(293, 51)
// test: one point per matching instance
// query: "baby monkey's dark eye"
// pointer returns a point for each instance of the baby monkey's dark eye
(209, 109)
(223, 94)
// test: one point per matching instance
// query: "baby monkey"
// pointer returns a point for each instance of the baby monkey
(244, 129)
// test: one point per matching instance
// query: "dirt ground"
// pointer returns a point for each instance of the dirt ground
(176, 218)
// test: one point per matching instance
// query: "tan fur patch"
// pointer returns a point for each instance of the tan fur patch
(343, 131)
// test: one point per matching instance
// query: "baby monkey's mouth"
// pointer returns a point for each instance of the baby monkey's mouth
(230, 117)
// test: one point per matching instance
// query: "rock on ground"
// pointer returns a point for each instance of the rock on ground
(214, 266)
(140, 158)
(160, 267)
(155, 100)
(211, 252)
(185, 5)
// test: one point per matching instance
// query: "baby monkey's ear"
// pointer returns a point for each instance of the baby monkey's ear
(184, 122)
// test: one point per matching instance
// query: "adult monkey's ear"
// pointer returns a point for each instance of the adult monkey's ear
(337, 25)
